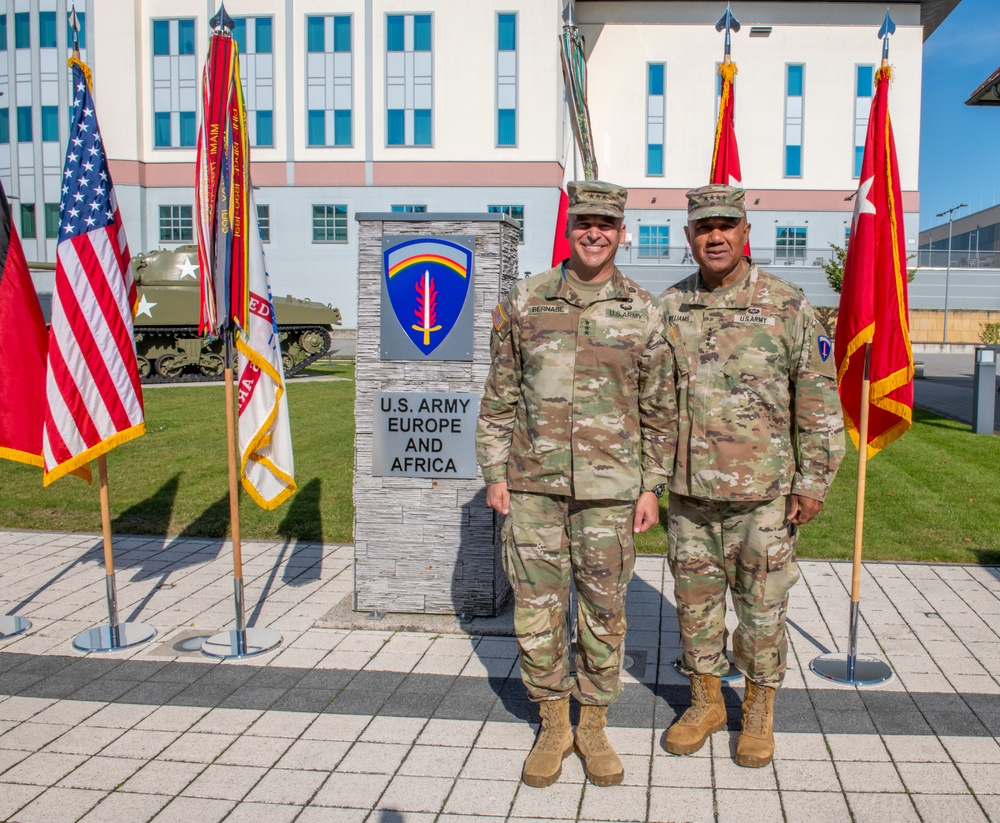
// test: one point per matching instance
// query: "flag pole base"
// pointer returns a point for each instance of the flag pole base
(732, 676)
(113, 638)
(245, 643)
(11, 624)
(859, 671)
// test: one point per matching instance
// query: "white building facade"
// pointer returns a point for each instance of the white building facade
(446, 106)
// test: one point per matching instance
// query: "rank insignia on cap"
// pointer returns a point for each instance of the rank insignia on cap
(825, 347)
(500, 319)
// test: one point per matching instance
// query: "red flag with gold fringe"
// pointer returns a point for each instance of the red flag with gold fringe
(873, 301)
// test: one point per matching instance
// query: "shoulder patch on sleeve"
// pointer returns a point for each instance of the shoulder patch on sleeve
(501, 319)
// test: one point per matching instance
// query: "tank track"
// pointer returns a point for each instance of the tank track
(188, 376)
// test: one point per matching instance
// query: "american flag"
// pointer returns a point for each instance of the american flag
(93, 398)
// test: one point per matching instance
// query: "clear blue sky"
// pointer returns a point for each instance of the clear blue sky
(958, 143)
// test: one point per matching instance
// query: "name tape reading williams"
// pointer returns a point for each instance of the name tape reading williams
(424, 434)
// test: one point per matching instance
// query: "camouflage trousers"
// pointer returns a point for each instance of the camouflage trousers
(550, 543)
(747, 548)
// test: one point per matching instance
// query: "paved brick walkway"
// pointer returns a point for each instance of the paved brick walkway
(402, 726)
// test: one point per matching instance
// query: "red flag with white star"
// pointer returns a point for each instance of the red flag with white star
(873, 301)
(726, 155)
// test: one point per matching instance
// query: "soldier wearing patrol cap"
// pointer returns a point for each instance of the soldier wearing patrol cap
(760, 438)
(576, 436)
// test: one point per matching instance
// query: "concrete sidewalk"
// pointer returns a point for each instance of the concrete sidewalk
(947, 386)
(366, 724)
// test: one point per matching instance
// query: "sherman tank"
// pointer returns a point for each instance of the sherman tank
(167, 343)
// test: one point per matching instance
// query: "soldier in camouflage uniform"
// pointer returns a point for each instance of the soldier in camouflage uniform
(760, 439)
(577, 429)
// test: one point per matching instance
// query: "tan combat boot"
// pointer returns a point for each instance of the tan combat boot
(706, 716)
(600, 761)
(555, 742)
(755, 746)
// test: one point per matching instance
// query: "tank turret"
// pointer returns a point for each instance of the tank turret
(166, 326)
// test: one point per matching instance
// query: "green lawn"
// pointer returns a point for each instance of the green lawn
(174, 479)
(932, 495)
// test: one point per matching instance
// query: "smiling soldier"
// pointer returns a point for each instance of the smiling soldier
(576, 438)
(759, 442)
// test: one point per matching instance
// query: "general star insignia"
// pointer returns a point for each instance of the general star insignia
(145, 307)
(862, 205)
(188, 269)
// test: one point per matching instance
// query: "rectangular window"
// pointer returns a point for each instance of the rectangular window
(794, 87)
(4, 126)
(52, 221)
(264, 222)
(263, 35)
(517, 212)
(341, 33)
(329, 224)
(161, 122)
(506, 90)
(3, 32)
(82, 36)
(22, 30)
(50, 124)
(24, 133)
(656, 133)
(265, 128)
(790, 243)
(330, 82)
(409, 80)
(865, 77)
(187, 127)
(185, 36)
(317, 128)
(654, 241)
(240, 34)
(847, 236)
(28, 230)
(405, 209)
(161, 37)
(342, 127)
(176, 83)
(315, 39)
(47, 29)
(176, 224)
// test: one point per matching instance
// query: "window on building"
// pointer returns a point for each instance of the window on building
(82, 19)
(329, 224)
(4, 126)
(790, 243)
(253, 37)
(847, 236)
(407, 209)
(794, 86)
(24, 132)
(176, 224)
(3, 32)
(264, 222)
(506, 90)
(654, 241)
(865, 77)
(655, 119)
(52, 221)
(175, 83)
(517, 212)
(47, 29)
(22, 30)
(329, 81)
(50, 124)
(28, 230)
(409, 80)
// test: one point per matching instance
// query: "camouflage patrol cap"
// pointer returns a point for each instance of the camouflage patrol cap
(596, 197)
(716, 200)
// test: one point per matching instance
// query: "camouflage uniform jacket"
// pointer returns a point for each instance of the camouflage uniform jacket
(758, 411)
(580, 397)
